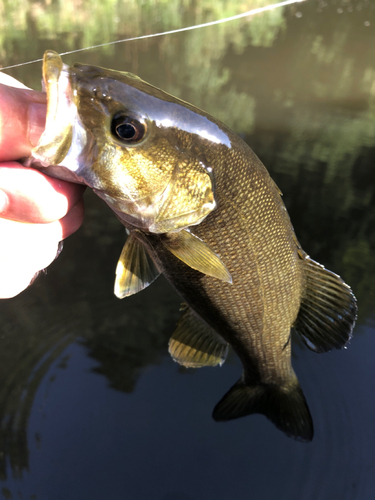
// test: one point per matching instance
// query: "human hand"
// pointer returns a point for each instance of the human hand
(36, 211)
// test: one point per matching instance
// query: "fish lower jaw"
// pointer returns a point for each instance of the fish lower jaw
(147, 218)
(149, 225)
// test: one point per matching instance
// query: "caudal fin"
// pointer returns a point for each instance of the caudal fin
(284, 405)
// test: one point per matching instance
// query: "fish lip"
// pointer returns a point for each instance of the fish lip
(65, 140)
(62, 113)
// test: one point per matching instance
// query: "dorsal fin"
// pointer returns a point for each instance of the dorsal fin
(135, 269)
(195, 253)
(328, 309)
(194, 344)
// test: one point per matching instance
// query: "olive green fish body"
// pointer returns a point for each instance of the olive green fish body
(254, 313)
(251, 232)
(201, 208)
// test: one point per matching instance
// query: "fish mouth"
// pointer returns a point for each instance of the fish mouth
(64, 137)
(56, 139)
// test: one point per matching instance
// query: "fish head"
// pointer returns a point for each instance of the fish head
(137, 147)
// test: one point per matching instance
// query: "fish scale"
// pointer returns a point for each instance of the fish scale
(200, 207)
(262, 324)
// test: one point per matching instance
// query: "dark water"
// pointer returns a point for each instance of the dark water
(91, 405)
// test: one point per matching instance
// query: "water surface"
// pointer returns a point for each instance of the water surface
(91, 405)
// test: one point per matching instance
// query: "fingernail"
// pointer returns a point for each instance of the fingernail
(37, 122)
(3, 202)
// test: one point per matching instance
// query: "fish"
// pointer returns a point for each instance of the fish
(200, 207)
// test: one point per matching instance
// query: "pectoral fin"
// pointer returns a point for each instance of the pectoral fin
(196, 254)
(194, 344)
(135, 269)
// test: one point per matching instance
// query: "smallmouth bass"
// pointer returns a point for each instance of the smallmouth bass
(200, 207)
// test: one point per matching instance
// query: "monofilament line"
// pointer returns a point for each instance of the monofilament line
(172, 32)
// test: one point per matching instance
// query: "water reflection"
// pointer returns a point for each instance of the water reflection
(67, 305)
(298, 84)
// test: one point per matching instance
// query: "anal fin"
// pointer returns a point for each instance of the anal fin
(194, 344)
(195, 253)
(135, 269)
(328, 309)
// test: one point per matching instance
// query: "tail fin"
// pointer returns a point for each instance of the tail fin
(284, 405)
(328, 309)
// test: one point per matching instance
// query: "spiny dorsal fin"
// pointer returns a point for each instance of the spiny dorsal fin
(196, 254)
(284, 405)
(194, 344)
(135, 269)
(328, 309)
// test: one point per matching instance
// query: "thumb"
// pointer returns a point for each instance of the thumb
(22, 121)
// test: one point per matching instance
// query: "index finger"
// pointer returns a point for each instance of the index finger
(30, 196)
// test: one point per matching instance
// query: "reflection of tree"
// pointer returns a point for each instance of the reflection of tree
(308, 102)
(92, 23)
(194, 60)
(334, 216)
(326, 174)
(317, 137)
(67, 305)
(37, 326)
(358, 261)
(28, 346)
(126, 344)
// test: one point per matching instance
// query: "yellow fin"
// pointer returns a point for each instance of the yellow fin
(194, 344)
(135, 269)
(196, 254)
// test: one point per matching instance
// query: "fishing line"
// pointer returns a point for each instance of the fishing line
(171, 32)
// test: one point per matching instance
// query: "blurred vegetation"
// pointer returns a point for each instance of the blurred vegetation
(66, 25)
(90, 23)
(317, 137)
(298, 84)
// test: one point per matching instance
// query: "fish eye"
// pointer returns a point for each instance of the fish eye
(127, 129)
